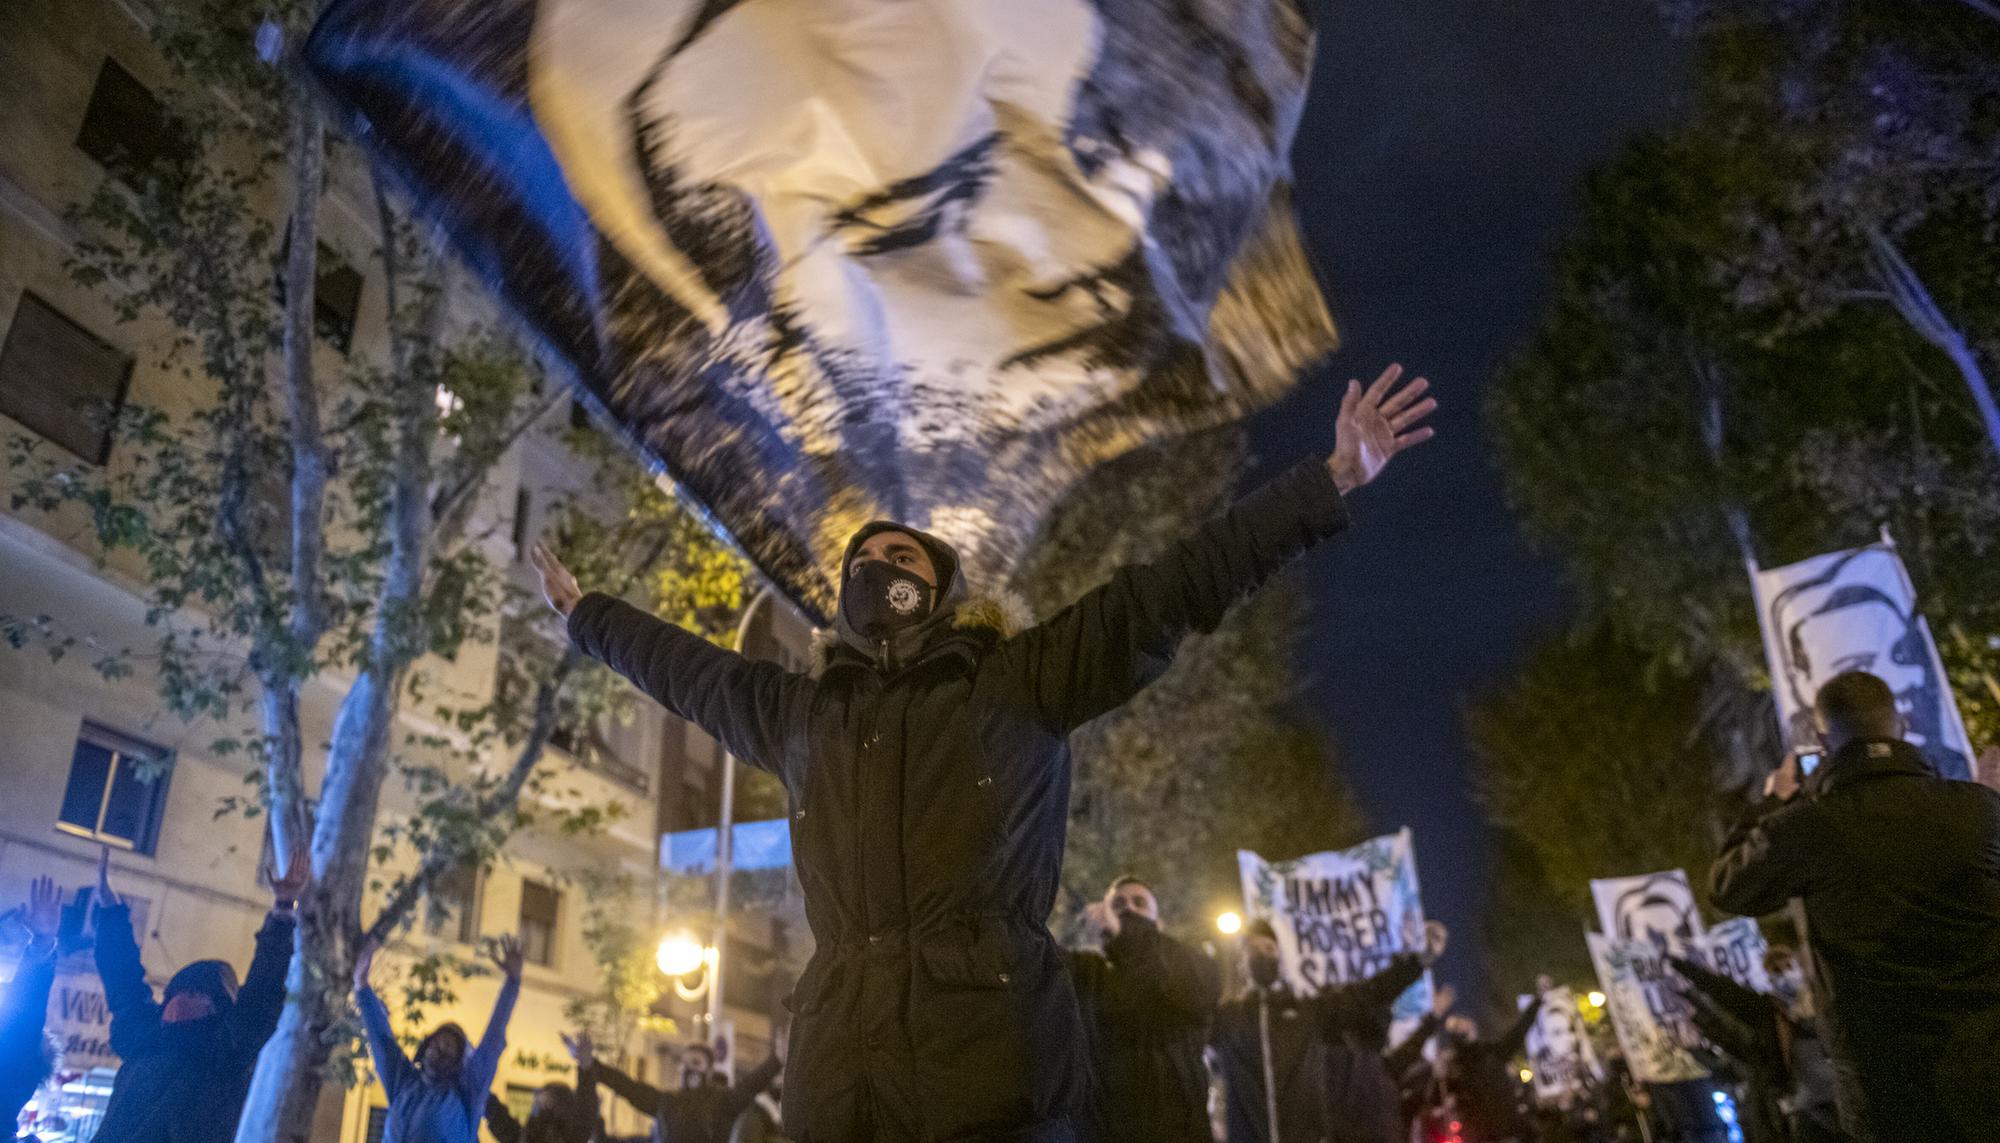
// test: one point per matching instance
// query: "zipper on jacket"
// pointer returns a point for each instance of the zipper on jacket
(1270, 1073)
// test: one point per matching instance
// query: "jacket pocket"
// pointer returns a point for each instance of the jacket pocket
(977, 956)
(815, 984)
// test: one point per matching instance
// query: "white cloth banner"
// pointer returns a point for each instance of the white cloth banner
(1857, 611)
(1735, 949)
(1341, 917)
(1654, 1022)
(1559, 1053)
(1654, 907)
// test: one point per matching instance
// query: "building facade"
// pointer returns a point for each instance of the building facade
(90, 762)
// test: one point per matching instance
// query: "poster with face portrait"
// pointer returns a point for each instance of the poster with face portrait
(1735, 949)
(1341, 917)
(826, 261)
(1857, 611)
(1657, 908)
(1564, 1064)
(1654, 1022)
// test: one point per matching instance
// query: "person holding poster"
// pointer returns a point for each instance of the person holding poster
(1272, 1045)
(1481, 1074)
(1899, 873)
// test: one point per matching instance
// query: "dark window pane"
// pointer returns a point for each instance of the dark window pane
(523, 502)
(62, 381)
(539, 907)
(125, 128)
(336, 293)
(128, 816)
(378, 1124)
(457, 896)
(89, 769)
(579, 417)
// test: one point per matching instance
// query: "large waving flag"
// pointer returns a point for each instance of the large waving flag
(831, 260)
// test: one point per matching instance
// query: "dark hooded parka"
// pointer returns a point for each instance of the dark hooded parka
(928, 781)
(184, 1081)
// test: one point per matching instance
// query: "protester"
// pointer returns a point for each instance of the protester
(1146, 1000)
(1899, 872)
(1272, 1046)
(927, 764)
(442, 1096)
(26, 1058)
(1364, 1097)
(1481, 1075)
(761, 1122)
(1788, 1089)
(559, 1114)
(1407, 1066)
(706, 1107)
(186, 1059)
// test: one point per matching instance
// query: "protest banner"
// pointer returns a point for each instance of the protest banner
(1857, 611)
(1341, 917)
(1559, 1053)
(1654, 1022)
(1735, 948)
(1655, 907)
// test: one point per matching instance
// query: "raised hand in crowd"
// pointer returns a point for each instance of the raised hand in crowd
(364, 963)
(508, 957)
(1784, 782)
(1436, 937)
(1443, 1000)
(105, 898)
(580, 1048)
(1375, 424)
(43, 913)
(559, 587)
(1100, 920)
(288, 886)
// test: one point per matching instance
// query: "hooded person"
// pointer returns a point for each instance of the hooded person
(441, 1096)
(927, 770)
(705, 1108)
(186, 1058)
(1279, 1051)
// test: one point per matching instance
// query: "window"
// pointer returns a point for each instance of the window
(336, 293)
(378, 1124)
(540, 905)
(125, 128)
(455, 905)
(117, 790)
(523, 504)
(62, 381)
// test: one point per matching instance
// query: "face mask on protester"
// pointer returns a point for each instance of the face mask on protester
(1264, 970)
(881, 599)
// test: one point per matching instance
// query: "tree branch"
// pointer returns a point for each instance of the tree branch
(308, 441)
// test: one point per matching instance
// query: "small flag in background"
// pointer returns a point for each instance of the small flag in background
(830, 260)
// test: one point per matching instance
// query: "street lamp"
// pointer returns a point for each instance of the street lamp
(1229, 924)
(680, 954)
(1596, 999)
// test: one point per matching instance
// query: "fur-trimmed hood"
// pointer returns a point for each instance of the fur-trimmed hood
(1003, 613)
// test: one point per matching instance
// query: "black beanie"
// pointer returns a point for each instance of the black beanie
(212, 978)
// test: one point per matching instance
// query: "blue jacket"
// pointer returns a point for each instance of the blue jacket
(422, 1110)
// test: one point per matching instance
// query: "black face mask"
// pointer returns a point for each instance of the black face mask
(881, 600)
(1264, 971)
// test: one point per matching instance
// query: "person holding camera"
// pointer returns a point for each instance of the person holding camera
(1899, 873)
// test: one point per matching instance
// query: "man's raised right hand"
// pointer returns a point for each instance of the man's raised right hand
(559, 587)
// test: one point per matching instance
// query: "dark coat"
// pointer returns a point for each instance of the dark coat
(1147, 1000)
(575, 1119)
(1295, 1033)
(929, 793)
(24, 1050)
(184, 1082)
(1481, 1073)
(1899, 871)
(691, 1115)
(1364, 1097)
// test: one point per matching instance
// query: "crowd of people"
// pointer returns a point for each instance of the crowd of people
(927, 768)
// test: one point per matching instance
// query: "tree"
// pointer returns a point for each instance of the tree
(1205, 760)
(293, 528)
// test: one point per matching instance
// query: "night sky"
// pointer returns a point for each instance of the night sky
(1438, 165)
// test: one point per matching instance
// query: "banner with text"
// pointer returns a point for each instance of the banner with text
(1341, 917)
(1654, 1022)
(1735, 948)
(1654, 907)
(1857, 611)
(1559, 1053)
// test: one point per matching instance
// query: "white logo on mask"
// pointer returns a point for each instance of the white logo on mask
(904, 597)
